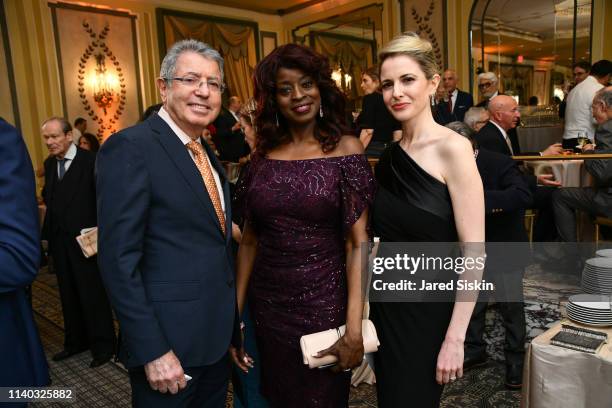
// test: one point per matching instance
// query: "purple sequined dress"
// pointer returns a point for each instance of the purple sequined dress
(301, 211)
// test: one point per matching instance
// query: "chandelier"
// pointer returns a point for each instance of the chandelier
(342, 79)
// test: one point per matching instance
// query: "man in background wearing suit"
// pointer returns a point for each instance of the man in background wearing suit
(496, 136)
(229, 137)
(506, 198)
(70, 196)
(165, 239)
(22, 356)
(594, 200)
(458, 102)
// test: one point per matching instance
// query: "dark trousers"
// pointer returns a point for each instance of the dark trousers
(544, 228)
(565, 203)
(88, 320)
(508, 286)
(207, 389)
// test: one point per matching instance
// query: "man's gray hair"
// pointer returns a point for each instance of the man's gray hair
(64, 124)
(489, 76)
(604, 96)
(473, 115)
(461, 128)
(168, 65)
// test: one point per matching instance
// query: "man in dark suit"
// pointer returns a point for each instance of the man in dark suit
(70, 196)
(594, 200)
(496, 136)
(165, 239)
(21, 353)
(229, 137)
(507, 195)
(456, 102)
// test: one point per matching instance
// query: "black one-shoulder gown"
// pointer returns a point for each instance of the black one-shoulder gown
(410, 206)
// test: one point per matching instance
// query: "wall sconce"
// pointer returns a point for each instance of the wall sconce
(103, 84)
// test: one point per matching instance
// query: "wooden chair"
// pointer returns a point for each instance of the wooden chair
(598, 222)
(529, 219)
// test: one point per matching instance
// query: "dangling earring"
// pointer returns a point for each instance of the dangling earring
(277, 125)
(321, 110)
(432, 100)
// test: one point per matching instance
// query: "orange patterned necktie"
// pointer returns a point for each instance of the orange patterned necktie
(209, 180)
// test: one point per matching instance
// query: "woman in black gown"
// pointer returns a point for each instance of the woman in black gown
(378, 127)
(429, 191)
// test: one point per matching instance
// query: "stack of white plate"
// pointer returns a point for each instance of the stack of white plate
(604, 253)
(594, 310)
(597, 276)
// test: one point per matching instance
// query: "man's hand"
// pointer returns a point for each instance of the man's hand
(548, 180)
(588, 147)
(553, 149)
(166, 374)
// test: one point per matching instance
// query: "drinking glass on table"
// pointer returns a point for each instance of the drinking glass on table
(582, 140)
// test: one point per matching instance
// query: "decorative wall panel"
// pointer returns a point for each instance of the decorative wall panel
(428, 19)
(99, 68)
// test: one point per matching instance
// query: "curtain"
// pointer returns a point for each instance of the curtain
(353, 56)
(234, 42)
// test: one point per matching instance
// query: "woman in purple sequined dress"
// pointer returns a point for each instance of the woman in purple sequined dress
(304, 199)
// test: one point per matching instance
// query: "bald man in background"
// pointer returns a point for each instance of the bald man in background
(497, 136)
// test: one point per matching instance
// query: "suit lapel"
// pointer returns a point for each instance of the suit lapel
(178, 154)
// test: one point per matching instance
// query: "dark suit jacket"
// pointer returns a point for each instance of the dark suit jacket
(71, 202)
(230, 144)
(490, 138)
(462, 104)
(506, 197)
(166, 264)
(601, 170)
(21, 353)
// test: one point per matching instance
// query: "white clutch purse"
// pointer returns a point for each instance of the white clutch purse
(311, 344)
(88, 241)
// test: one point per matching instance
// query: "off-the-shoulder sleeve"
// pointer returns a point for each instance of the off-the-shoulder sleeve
(357, 187)
(240, 205)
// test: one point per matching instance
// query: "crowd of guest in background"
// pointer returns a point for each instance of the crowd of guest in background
(295, 128)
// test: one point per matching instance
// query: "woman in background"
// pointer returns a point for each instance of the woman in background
(378, 127)
(89, 142)
(429, 191)
(305, 199)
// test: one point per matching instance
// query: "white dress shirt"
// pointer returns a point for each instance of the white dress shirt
(235, 115)
(69, 157)
(578, 115)
(76, 135)
(185, 139)
(505, 135)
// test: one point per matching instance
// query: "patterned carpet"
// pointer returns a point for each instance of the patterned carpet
(108, 386)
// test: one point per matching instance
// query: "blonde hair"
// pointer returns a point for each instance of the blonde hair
(413, 46)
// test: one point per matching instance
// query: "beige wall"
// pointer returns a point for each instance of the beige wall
(36, 71)
(35, 65)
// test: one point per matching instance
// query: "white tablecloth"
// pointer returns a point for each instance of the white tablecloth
(557, 377)
(571, 173)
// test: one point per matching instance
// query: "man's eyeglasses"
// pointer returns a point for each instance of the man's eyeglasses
(485, 85)
(193, 82)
